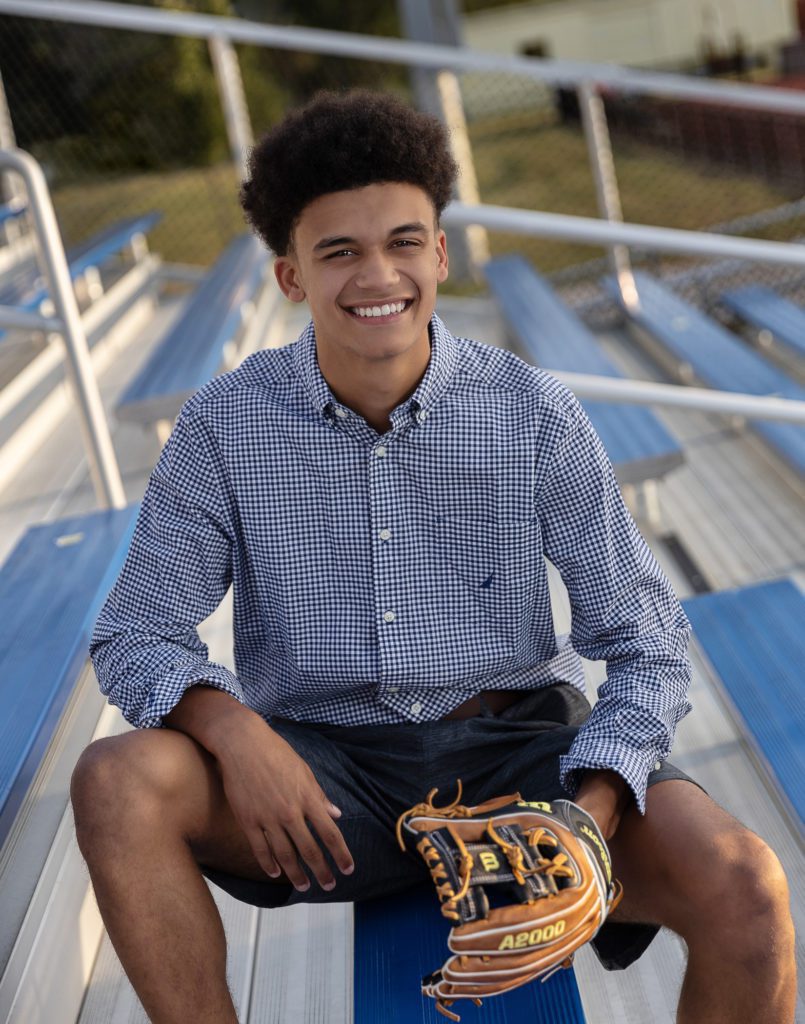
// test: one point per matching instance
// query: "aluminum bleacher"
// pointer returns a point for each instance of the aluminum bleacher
(769, 311)
(401, 939)
(696, 347)
(195, 347)
(52, 586)
(736, 510)
(554, 337)
(22, 287)
(755, 638)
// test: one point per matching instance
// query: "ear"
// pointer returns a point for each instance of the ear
(441, 256)
(287, 275)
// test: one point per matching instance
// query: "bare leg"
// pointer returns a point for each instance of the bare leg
(144, 802)
(689, 866)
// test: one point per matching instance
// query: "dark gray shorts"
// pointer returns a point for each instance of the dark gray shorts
(375, 772)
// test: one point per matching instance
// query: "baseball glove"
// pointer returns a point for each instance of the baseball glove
(524, 883)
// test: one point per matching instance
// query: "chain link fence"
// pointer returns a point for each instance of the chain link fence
(127, 122)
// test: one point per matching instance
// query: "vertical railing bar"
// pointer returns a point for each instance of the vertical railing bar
(602, 164)
(467, 191)
(233, 99)
(92, 419)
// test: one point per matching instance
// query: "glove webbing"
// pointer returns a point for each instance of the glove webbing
(453, 881)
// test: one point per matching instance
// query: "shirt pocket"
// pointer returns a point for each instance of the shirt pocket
(499, 565)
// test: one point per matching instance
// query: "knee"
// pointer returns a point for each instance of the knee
(748, 905)
(119, 778)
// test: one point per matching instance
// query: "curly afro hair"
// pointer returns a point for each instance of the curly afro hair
(341, 141)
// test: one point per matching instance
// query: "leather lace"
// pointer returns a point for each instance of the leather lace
(449, 897)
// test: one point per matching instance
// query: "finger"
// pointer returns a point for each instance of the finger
(333, 839)
(262, 852)
(274, 870)
(285, 854)
(311, 853)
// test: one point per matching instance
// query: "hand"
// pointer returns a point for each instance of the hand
(276, 798)
(605, 796)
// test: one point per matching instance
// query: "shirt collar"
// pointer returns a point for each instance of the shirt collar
(439, 372)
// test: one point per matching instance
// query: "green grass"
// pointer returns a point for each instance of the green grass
(200, 208)
(522, 162)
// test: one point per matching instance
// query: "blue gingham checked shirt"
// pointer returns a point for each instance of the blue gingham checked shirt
(385, 579)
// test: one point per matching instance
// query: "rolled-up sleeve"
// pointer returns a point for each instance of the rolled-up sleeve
(145, 646)
(623, 609)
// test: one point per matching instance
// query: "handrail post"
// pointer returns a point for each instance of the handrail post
(477, 240)
(233, 99)
(97, 439)
(602, 163)
(9, 187)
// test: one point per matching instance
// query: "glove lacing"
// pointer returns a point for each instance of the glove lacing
(556, 866)
(448, 896)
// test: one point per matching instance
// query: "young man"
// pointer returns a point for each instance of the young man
(382, 496)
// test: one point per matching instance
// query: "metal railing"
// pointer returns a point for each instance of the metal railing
(395, 51)
(66, 321)
(222, 32)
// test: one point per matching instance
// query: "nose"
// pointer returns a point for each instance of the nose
(377, 273)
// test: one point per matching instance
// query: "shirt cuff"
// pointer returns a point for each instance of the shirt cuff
(633, 767)
(167, 693)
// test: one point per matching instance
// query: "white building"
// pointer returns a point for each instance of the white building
(647, 33)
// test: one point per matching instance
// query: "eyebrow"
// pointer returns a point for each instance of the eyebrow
(415, 227)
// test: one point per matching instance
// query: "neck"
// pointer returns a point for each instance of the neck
(373, 388)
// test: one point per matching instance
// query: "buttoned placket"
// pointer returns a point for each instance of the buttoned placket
(384, 552)
(380, 487)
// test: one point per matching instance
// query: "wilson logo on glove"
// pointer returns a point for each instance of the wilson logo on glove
(525, 883)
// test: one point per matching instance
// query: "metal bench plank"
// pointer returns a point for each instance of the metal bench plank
(51, 588)
(401, 938)
(767, 310)
(24, 286)
(717, 357)
(9, 211)
(192, 351)
(636, 441)
(755, 639)
(108, 241)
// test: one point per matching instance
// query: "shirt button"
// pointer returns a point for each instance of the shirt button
(657, 766)
(389, 616)
(380, 451)
(341, 413)
(416, 708)
(421, 415)
(384, 534)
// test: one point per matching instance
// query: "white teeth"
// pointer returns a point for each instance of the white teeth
(384, 310)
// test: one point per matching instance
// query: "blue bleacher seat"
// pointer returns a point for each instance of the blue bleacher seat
(401, 938)
(10, 211)
(52, 586)
(554, 337)
(192, 350)
(755, 639)
(717, 357)
(109, 240)
(24, 287)
(765, 309)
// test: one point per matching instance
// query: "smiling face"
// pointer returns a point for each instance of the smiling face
(367, 261)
